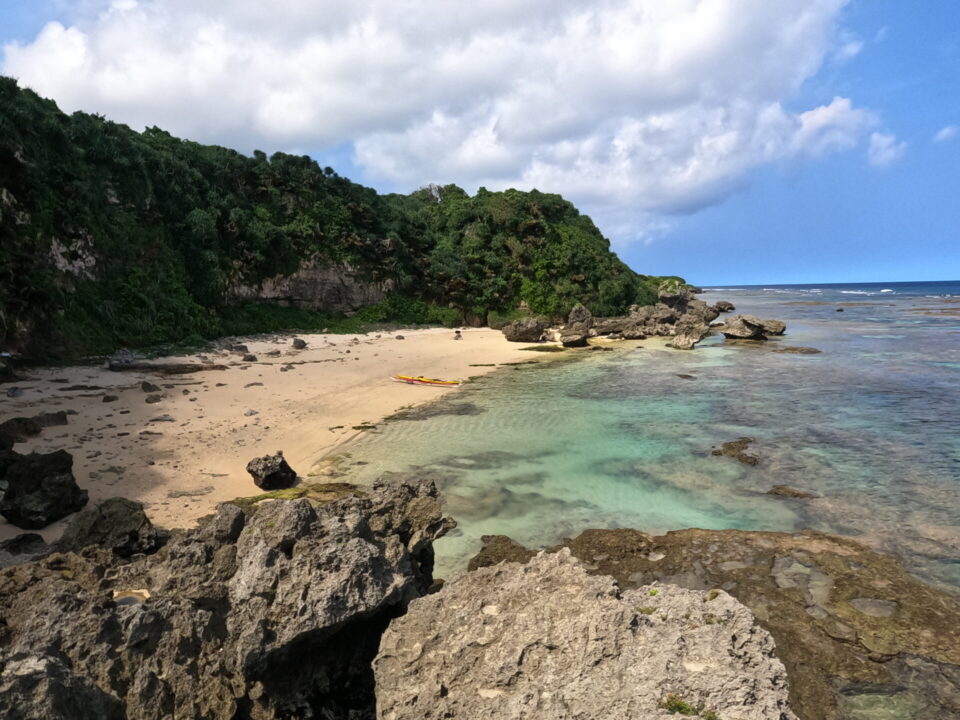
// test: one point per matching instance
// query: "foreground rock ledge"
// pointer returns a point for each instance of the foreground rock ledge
(546, 640)
(274, 612)
(860, 638)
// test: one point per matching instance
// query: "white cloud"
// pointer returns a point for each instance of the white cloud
(885, 149)
(946, 133)
(632, 108)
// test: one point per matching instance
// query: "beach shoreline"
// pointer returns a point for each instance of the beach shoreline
(182, 447)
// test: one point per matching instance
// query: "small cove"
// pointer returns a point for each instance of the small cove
(620, 439)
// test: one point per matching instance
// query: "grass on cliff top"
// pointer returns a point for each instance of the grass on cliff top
(316, 493)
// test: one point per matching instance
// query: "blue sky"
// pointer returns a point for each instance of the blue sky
(730, 141)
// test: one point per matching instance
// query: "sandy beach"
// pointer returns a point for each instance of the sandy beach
(187, 450)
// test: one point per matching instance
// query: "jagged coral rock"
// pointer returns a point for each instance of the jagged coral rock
(274, 612)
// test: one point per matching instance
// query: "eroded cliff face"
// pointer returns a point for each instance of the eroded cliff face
(318, 286)
(268, 613)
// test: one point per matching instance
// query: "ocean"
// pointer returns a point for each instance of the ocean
(578, 440)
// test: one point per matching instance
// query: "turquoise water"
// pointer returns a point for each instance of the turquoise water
(618, 439)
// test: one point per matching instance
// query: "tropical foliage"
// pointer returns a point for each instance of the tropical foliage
(109, 237)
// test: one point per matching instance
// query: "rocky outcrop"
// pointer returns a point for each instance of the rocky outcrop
(858, 635)
(750, 327)
(688, 332)
(546, 640)
(117, 524)
(579, 321)
(273, 612)
(744, 327)
(678, 314)
(722, 306)
(40, 489)
(524, 330)
(271, 472)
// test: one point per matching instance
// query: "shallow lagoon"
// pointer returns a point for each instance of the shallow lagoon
(618, 439)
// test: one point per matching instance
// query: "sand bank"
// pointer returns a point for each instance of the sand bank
(187, 451)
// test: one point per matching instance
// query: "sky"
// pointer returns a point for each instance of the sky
(727, 141)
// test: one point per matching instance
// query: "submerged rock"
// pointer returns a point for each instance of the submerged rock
(791, 492)
(546, 640)
(737, 449)
(40, 490)
(271, 472)
(852, 627)
(272, 613)
(524, 330)
(798, 350)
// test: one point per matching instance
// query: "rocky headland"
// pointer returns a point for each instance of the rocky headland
(678, 314)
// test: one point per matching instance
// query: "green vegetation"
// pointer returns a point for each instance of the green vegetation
(676, 705)
(112, 238)
(317, 493)
(644, 610)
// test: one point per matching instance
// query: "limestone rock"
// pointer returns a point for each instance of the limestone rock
(524, 330)
(299, 344)
(41, 489)
(271, 613)
(118, 524)
(744, 327)
(774, 327)
(852, 627)
(722, 306)
(579, 321)
(690, 330)
(271, 472)
(571, 340)
(546, 640)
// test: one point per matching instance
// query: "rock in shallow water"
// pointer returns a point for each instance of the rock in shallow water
(546, 640)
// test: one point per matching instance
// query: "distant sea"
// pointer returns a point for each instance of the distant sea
(623, 438)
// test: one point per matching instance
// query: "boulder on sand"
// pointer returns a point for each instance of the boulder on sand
(524, 330)
(41, 489)
(572, 340)
(547, 640)
(271, 472)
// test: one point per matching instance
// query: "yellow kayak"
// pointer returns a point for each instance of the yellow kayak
(420, 380)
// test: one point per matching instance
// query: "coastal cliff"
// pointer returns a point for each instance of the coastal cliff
(113, 238)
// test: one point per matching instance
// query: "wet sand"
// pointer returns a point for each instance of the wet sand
(188, 451)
